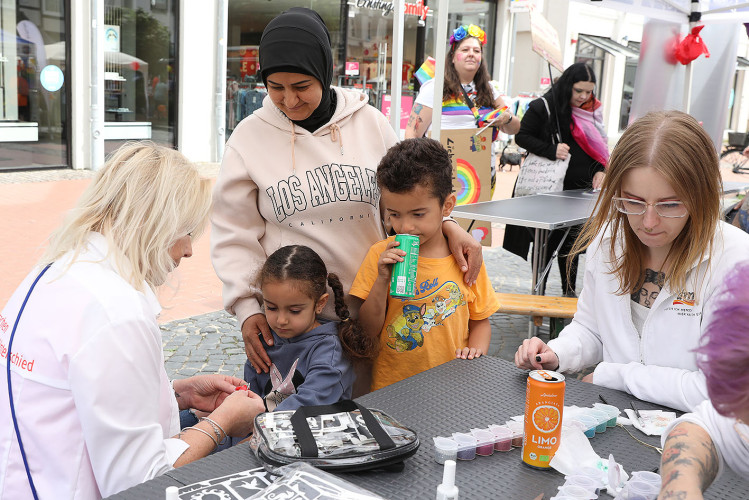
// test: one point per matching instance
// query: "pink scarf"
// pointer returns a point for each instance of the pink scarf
(587, 130)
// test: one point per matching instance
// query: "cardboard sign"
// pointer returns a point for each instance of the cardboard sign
(471, 155)
(545, 40)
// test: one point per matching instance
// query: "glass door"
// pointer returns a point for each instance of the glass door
(34, 84)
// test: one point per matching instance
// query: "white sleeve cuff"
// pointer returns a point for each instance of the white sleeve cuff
(174, 449)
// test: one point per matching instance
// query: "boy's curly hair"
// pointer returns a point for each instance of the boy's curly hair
(413, 162)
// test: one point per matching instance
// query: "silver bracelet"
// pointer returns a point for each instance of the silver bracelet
(204, 432)
(216, 429)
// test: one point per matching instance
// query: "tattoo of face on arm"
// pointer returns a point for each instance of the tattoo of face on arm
(651, 287)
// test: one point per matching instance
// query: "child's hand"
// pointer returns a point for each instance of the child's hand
(388, 257)
(468, 353)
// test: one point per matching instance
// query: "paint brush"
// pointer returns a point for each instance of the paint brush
(637, 413)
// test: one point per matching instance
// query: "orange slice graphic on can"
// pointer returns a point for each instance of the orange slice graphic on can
(545, 418)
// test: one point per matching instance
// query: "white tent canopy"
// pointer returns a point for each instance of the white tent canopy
(678, 11)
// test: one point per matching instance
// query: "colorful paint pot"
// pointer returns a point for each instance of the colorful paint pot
(444, 449)
(466, 445)
(502, 437)
(485, 442)
(611, 411)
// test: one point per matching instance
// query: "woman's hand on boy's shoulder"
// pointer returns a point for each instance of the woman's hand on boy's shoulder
(465, 249)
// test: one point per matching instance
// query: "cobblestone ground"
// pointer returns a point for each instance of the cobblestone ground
(212, 343)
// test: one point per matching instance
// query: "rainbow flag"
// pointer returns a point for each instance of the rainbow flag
(425, 71)
(492, 115)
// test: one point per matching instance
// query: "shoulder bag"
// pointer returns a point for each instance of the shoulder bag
(539, 174)
(343, 437)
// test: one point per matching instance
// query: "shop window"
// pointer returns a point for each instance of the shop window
(594, 56)
(34, 84)
(140, 73)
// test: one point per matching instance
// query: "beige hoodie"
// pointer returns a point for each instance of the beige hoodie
(282, 185)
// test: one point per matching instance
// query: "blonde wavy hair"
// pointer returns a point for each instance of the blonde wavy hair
(144, 199)
(675, 145)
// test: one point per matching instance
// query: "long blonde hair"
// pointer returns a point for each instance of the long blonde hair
(676, 146)
(144, 199)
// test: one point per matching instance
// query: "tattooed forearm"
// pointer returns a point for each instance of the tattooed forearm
(677, 495)
(710, 465)
(414, 116)
(689, 463)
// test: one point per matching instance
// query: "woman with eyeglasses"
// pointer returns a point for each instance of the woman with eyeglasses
(697, 445)
(656, 252)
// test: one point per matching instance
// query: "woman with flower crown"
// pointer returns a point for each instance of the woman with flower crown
(466, 82)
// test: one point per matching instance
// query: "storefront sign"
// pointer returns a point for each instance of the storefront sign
(406, 104)
(352, 69)
(410, 9)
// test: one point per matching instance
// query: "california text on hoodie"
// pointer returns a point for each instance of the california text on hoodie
(328, 373)
(659, 365)
(282, 185)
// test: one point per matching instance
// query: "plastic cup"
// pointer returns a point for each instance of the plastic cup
(602, 417)
(444, 449)
(502, 437)
(648, 477)
(641, 490)
(593, 473)
(485, 444)
(590, 484)
(590, 423)
(611, 411)
(466, 446)
(518, 431)
(577, 492)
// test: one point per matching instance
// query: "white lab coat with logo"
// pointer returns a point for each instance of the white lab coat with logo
(93, 402)
(659, 365)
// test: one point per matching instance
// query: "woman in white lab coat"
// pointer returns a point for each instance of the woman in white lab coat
(95, 412)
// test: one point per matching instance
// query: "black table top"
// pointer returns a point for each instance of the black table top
(458, 396)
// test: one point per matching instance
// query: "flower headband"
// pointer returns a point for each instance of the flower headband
(471, 30)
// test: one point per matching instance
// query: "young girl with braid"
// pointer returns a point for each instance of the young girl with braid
(311, 360)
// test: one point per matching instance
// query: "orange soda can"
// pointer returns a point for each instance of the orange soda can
(544, 403)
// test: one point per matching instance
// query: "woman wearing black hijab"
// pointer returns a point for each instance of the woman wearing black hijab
(301, 170)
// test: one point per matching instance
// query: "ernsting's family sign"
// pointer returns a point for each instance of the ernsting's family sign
(410, 9)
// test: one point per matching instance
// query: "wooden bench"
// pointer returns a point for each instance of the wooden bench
(539, 307)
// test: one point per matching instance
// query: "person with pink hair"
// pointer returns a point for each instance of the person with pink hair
(697, 445)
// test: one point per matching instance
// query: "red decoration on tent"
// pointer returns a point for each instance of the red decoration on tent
(670, 48)
(691, 47)
(135, 65)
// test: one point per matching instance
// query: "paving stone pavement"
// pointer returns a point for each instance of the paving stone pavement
(212, 343)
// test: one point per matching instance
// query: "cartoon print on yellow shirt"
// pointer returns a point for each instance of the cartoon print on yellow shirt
(407, 331)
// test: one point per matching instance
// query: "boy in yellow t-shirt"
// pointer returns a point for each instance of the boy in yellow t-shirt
(446, 318)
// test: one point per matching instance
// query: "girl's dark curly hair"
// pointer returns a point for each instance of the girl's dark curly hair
(303, 265)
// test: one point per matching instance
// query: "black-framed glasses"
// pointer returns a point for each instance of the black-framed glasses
(669, 209)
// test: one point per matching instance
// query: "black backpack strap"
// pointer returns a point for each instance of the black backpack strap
(304, 435)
